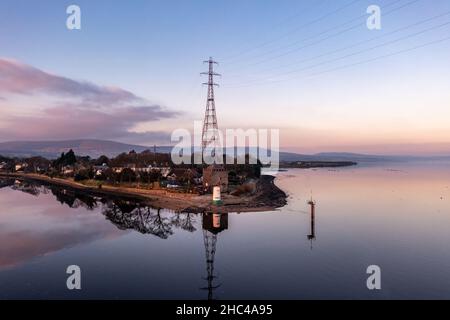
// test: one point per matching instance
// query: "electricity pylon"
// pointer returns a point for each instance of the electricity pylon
(210, 128)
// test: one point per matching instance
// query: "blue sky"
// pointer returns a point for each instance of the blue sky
(155, 50)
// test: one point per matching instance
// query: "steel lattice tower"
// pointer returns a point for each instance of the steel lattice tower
(210, 127)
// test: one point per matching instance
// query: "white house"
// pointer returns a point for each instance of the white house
(20, 166)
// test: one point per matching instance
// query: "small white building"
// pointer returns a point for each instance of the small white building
(67, 170)
(20, 166)
(99, 170)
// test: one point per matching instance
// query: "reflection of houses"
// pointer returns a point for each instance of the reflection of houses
(215, 175)
(26, 187)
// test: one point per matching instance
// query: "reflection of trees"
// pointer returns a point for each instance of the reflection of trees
(27, 187)
(146, 220)
(125, 214)
(71, 198)
(86, 201)
(74, 199)
(64, 197)
(184, 221)
(4, 183)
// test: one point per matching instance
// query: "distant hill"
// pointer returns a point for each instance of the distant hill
(96, 148)
(52, 149)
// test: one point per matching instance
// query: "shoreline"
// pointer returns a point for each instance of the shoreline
(268, 197)
(316, 164)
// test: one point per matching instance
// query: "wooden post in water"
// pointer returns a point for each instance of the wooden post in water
(312, 235)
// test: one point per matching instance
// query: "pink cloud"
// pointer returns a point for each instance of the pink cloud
(70, 122)
(19, 78)
(93, 111)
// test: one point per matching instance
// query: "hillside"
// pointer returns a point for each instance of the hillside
(96, 148)
(52, 149)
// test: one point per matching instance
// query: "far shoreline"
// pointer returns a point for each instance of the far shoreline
(316, 164)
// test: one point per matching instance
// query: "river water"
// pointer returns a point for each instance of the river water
(394, 215)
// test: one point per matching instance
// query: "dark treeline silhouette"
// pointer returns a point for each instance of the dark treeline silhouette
(66, 159)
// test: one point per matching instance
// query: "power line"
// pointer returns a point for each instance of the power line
(322, 32)
(353, 64)
(264, 44)
(300, 13)
(371, 48)
(384, 56)
(250, 49)
(326, 38)
(361, 42)
(364, 50)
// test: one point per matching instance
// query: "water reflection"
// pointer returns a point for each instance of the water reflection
(71, 198)
(124, 214)
(396, 219)
(137, 216)
(6, 183)
(30, 229)
(213, 224)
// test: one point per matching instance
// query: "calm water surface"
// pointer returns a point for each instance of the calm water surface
(395, 215)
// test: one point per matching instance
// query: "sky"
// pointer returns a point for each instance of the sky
(310, 68)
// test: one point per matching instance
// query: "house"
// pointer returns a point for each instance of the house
(215, 175)
(165, 171)
(175, 175)
(99, 170)
(67, 170)
(20, 166)
(40, 169)
(118, 169)
(183, 175)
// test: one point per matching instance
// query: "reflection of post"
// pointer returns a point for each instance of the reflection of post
(213, 224)
(312, 235)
